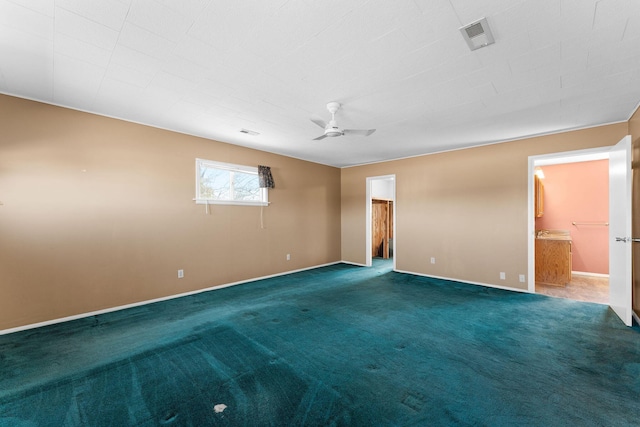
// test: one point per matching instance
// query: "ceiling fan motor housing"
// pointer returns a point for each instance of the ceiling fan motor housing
(332, 128)
(333, 131)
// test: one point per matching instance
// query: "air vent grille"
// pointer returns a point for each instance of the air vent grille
(477, 34)
(474, 30)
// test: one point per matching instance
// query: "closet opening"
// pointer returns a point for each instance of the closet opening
(381, 219)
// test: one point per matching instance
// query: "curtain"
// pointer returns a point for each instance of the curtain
(265, 177)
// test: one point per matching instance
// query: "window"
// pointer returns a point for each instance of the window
(225, 183)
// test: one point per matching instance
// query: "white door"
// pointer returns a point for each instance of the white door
(620, 229)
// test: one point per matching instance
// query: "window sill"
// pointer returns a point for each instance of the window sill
(229, 202)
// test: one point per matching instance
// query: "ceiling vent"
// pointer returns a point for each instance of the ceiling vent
(477, 34)
(249, 132)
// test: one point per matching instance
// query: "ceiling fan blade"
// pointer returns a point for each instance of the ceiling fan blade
(319, 122)
(319, 138)
(359, 132)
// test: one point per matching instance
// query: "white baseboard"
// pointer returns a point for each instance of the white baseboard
(586, 273)
(226, 285)
(489, 285)
(151, 301)
(635, 316)
(354, 263)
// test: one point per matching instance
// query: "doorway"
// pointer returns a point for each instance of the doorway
(571, 226)
(619, 227)
(381, 219)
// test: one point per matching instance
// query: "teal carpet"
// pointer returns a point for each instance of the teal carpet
(338, 345)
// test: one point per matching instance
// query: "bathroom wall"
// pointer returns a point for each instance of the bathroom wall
(579, 192)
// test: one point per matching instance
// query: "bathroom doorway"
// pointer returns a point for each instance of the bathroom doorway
(619, 222)
(571, 227)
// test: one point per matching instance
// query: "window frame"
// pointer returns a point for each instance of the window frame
(230, 167)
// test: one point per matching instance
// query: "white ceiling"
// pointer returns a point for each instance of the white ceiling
(212, 67)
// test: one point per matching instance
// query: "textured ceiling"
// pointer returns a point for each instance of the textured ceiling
(212, 67)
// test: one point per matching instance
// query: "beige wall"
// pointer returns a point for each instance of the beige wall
(73, 242)
(466, 208)
(634, 131)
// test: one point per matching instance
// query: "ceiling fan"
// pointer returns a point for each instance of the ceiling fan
(332, 129)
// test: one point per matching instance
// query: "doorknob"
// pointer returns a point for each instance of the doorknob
(627, 239)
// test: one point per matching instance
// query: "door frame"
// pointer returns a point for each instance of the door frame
(369, 197)
(590, 154)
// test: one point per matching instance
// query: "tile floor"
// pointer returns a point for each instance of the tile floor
(581, 288)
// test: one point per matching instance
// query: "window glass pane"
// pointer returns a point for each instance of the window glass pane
(246, 187)
(226, 183)
(215, 184)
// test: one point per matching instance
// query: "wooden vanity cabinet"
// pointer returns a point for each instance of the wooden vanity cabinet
(553, 261)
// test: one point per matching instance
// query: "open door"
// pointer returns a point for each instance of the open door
(620, 230)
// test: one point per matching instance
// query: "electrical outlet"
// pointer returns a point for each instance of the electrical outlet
(288, 257)
(503, 276)
(433, 260)
(180, 274)
(522, 278)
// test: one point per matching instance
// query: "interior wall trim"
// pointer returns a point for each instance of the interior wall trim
(587, 273)
(500, 141)
(151, 301)
(489, 285)
(354, 263)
